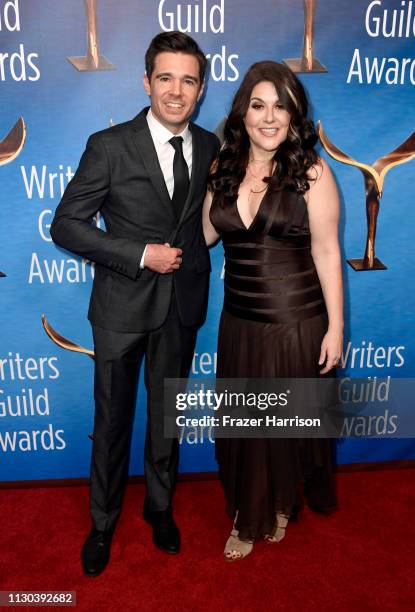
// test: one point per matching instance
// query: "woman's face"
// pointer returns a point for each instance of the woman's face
(266, 121)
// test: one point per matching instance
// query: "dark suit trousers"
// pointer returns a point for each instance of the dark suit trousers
(168, 353)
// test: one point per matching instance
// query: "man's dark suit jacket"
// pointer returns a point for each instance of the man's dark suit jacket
(119, 175)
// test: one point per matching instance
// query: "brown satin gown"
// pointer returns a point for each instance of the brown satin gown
(272, 324)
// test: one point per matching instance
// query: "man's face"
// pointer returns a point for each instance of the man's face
(174, 89)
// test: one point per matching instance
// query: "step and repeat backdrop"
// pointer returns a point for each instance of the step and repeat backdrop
(73, 67)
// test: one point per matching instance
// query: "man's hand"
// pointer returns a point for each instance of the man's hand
(162, 258)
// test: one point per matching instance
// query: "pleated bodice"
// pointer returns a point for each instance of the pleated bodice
(270, 274)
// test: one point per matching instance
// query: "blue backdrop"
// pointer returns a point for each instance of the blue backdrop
(365, 101)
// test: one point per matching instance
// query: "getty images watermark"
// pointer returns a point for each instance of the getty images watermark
(291, 408)
(207, 398)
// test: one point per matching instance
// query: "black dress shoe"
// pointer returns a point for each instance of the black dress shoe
(96, 552)
(166, 535)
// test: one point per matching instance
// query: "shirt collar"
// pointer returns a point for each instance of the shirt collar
(162, 134)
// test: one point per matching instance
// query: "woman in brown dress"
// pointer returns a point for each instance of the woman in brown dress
(274, 203)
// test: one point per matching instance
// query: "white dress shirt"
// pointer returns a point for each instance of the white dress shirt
(165, 153)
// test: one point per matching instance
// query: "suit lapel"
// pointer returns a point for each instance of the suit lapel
(147, 152)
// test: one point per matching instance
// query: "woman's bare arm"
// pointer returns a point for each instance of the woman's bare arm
(323, 212)
(211, 235)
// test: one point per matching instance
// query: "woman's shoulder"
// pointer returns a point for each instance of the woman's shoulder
(320, 179)
(318, 169)
(319, 174)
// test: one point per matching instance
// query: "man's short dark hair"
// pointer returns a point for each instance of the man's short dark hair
(174, 42)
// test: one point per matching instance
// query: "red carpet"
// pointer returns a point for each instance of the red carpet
(360, 558)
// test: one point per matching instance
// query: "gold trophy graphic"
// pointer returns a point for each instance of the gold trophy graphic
(13, 143)
(64, 342)
(93, 60)
(10, 147)
(307, 63)
(374, 177)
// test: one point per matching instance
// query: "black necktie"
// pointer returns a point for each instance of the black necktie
(181, 176)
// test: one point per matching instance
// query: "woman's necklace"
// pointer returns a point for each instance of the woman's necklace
(258, 180)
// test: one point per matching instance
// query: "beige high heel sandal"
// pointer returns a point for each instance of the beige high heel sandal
(236, 549)
(279, 530)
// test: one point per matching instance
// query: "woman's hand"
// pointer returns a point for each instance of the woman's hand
(331, 350)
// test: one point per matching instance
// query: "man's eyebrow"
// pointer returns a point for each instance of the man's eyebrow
(185, 76)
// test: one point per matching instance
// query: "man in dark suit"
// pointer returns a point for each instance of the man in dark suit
(147, 177)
